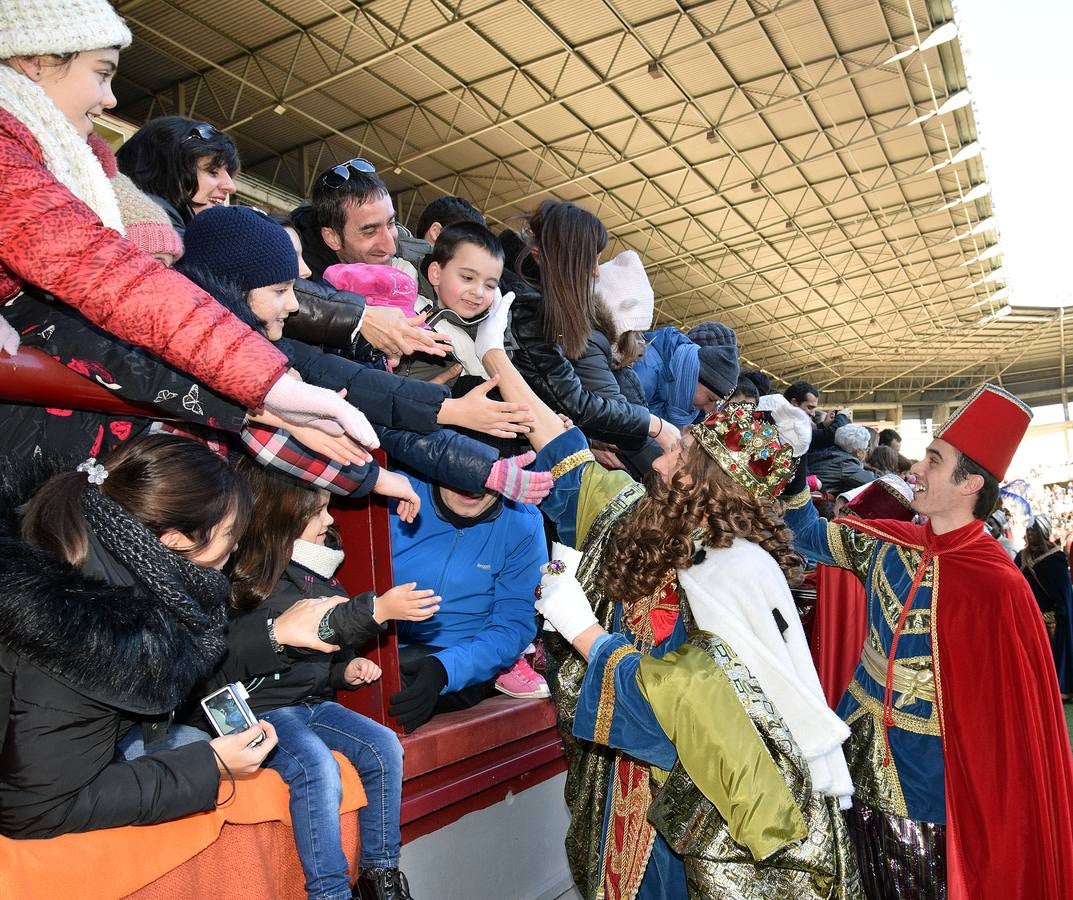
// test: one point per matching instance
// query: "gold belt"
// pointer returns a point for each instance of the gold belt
(912, 684)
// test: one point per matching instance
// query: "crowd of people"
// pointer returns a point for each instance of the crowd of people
(552, 453)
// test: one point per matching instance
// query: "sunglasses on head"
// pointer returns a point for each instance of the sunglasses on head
(203, 132)
(339, 175)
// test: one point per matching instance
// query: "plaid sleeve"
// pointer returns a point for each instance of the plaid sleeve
(277, 449)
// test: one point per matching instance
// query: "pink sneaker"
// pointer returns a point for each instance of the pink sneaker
(522, 682)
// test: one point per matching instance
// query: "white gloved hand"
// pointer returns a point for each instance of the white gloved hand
(305, 404)
(560, 597)
(491, 331)
(794, 424)
(9, 339)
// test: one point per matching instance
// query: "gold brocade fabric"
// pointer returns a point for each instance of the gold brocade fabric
(818, 867)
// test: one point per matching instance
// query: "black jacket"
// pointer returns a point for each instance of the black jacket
(318, 255)
(838, 470)
(555, 379)
(303, 676)
(78, 658)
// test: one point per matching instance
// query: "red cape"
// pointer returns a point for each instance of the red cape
(1008, 767)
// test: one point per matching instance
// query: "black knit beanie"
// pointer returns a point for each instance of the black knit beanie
(241, 245)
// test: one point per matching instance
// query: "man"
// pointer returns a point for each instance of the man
(482, 554)
(806, 396)
(888, 437)
(959, 751)
(350, 219)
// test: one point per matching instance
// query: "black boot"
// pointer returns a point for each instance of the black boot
(382, 884)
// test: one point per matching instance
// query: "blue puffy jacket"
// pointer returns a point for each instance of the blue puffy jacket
(669, 372)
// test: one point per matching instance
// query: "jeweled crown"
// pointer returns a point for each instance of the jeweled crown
(748, 448)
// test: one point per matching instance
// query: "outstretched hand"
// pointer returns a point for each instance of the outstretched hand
(491, 332)
(387, 329)
(510, 478)
(478, 412)
(299, 403)
(405, 603)
(392, 484)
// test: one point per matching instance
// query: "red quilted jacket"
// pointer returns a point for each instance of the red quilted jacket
(51, 239)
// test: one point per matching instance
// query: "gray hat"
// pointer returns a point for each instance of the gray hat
(719, 368)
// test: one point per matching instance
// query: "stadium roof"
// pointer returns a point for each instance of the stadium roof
(805, 170)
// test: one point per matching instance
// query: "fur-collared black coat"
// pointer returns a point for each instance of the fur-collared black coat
(78, 658)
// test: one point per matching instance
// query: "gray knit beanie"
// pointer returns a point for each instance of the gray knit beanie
(57, 27)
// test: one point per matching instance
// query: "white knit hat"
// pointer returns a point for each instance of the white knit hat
(626, 291)
(56, 27)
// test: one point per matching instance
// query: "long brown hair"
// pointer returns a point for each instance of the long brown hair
(166, 482)
(568, 241)
(656, 536)
(281, 509)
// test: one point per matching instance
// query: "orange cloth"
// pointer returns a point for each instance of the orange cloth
(244, 849)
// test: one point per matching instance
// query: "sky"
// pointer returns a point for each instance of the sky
(1017, 60)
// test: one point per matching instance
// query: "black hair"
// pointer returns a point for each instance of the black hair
(447, 211)
(746, 389)
(162, 157)
(762, 382)
(799, 390)
(465, 233)
(329, 202)
(887, 435)
(987, 498)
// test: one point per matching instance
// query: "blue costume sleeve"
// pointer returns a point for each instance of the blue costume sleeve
(561, 504)
(611, 709)
(827, 542)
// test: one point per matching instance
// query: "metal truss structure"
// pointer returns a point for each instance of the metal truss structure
(804, 170)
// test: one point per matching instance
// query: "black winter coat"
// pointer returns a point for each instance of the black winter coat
(838, 470)
(73, 669)
(303, 676)
(555, 379)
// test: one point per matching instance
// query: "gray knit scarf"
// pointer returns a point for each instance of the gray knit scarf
(194, 597)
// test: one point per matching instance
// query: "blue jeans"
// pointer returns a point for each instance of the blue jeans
(132, 745)
(307, 734)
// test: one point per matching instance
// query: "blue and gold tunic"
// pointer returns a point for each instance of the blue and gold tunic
(909, 782)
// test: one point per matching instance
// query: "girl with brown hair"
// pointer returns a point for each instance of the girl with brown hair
(703, 759)
(287, 555)
(112, 608)
(553, 319)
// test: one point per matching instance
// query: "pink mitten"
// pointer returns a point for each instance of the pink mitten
(509, 478)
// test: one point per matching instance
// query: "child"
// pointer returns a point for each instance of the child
(464, 269)
(285, 556)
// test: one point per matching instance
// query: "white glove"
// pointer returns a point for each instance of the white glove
(306, 404)
(9, 339)
(491, 331)
(560, 597)
(794, 424)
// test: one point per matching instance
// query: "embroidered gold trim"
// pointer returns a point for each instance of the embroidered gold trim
(798, 501)
(571, 462)
(903, 720)
(605, 711)
(918, 621)
(837, 547)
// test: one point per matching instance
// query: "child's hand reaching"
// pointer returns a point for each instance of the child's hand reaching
(392, 484)
(403, 602)
(361, 671)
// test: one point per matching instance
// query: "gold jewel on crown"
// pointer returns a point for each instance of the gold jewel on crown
(748, 448)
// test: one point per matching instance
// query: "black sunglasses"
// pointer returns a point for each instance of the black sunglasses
(339, 175)
(204, 132)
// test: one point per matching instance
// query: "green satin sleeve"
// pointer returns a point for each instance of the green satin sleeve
(721, 750)
(598, 488)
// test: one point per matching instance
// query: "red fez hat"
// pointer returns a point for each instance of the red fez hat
(988, 428)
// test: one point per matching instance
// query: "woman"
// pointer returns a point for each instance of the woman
(1046, 568)
(704, 761)
(553, 319)
(61, 230)
(184, 165)
(112, 607)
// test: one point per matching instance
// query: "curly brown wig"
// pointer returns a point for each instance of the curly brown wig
(656, 536)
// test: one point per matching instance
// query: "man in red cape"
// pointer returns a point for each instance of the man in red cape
(959, 750)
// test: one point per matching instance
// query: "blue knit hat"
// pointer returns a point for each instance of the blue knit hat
(240, 245)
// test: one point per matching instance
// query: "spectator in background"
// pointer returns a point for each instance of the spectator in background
(184, 165)
(762, 382)
(888, 437)
(1044, 564)
(883, 460)
(807, 397)
(998, 526)
(444, 211)
(840, 467)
